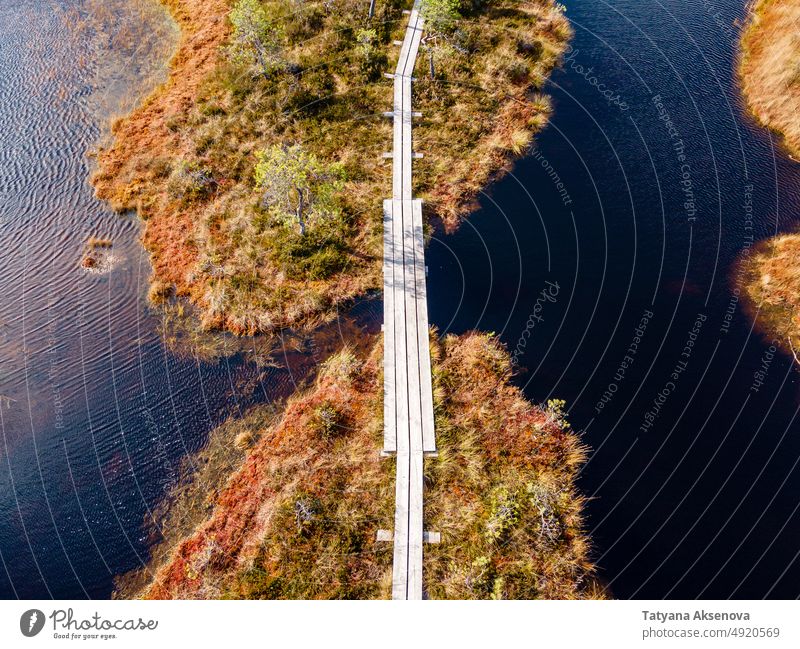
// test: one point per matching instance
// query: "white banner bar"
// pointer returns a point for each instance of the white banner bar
(440, 625)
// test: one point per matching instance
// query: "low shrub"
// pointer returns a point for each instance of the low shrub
(299, 519)
(191, 181)
(327, 421)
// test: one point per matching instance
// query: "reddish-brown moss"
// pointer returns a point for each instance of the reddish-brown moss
(299, 518)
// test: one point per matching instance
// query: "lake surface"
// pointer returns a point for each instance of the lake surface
(692, 418)
(693, 475)
(96, 412)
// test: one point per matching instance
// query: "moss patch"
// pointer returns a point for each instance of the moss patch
(299, 518)
(186, 159)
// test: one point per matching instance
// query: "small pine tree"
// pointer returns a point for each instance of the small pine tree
(441, 17)
(296, 185)
(366, 39)
(254, 39)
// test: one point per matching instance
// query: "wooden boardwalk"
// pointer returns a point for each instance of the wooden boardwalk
(408, 398)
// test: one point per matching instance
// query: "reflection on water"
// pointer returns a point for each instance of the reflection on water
(635, 208)
(642, 192)
(96, 411)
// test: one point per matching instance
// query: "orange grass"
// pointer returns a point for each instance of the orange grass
(770, 67)
(771, 281)
(770, 74)
(127, 170)
(298, 519)
(213, 244)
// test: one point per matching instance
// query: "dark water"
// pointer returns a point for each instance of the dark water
(96, 412)
(703, 501)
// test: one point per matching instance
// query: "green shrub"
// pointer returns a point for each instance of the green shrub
(504, 515)
(372, 61)
(313, 256)
(327, 421)
(481, 576)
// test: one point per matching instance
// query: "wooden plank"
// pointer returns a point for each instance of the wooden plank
(406, 139)
(415, 26)
(389, 390)
(423, 344)
(405, 48)
(397, 141)
(401, 528)
(427, 537)
(411, 326)
(399, 313)
(415, 531)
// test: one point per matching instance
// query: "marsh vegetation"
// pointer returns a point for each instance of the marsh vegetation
(770, 72)
(299, 518)
(257, 168)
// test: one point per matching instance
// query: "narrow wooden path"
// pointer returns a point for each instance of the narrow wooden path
(408, 398)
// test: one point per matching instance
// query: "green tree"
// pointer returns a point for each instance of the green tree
(370, 59)
(254, 39)
(366, 39)
(441, 17)
(296, 186)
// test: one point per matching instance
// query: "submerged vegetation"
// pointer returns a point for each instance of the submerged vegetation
(257, 167)
(133, 38)
(770, 71)
(193, 500)
(97, 255)
(299, 518)
(257, 170)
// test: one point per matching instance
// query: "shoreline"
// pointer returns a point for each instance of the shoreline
(771, 89)
(770, 270)
(312, 484)
(197, 117)
(119, 173)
